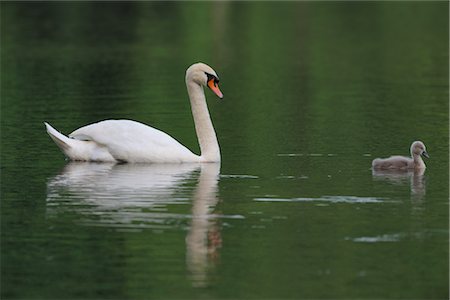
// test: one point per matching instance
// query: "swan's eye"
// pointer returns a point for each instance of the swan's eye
(214, 79)
(212, 83)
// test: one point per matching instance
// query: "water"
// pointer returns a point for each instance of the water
(313, 92)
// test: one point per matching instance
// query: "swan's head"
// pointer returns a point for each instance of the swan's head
(418, 148)
(204, 75)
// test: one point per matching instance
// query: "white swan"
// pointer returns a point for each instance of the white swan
(131, 141)
(401, 162)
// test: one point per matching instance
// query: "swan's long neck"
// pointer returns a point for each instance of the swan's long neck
(206, 135)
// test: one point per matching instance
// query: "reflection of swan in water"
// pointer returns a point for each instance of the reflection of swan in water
(203, 239)
(415, 177)
(135, 197)
(117, 194)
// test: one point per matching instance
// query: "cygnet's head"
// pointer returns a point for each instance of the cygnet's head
(418, 148)
(204, 75)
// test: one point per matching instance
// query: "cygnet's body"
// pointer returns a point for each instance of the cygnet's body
(401, 162)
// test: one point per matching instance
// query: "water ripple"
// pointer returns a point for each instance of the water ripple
(305, 154)
(331, 199)
(239, 176)
(377, 239)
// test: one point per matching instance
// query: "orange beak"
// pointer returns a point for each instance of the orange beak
(215, 88)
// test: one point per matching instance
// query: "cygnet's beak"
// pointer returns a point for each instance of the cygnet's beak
(214, 86)
(425, 154)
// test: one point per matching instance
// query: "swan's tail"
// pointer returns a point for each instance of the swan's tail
(61, 140)
(79, 150)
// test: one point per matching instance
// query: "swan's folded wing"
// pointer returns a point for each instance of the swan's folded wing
(81, 137)
(132, 141)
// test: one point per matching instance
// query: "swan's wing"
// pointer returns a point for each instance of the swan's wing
(132, 141)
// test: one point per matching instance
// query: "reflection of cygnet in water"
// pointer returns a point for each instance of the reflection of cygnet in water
(415, 177)
(204, 238)
(401, 162)
(117, 193)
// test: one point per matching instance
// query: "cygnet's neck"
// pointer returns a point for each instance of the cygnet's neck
(418, 161)
(206, 135)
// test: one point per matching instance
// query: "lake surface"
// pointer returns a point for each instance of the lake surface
(313, 92)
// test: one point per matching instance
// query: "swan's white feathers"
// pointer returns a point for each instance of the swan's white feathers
(128, 140)
(79, 150)
(131, 141)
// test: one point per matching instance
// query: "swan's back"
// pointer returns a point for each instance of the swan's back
(131, 141)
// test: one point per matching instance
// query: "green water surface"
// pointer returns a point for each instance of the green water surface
(314, 91)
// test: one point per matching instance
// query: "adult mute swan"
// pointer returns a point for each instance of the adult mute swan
(401, 162)
(134, 142)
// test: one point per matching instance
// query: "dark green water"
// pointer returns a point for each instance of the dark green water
(313, 92)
